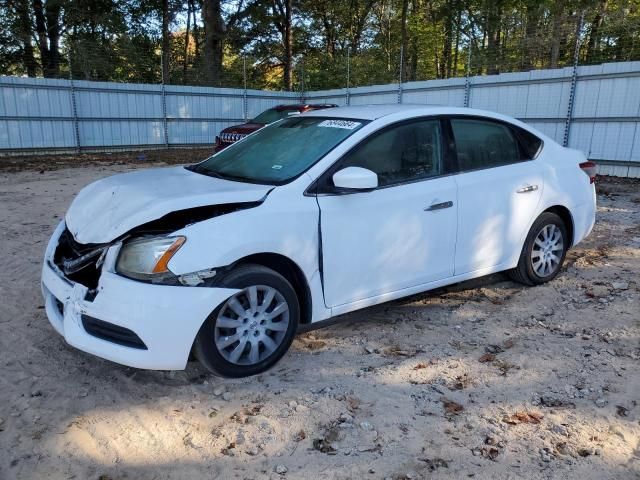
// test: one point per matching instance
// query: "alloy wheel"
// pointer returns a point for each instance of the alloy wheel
(251, 325)
(546, 253)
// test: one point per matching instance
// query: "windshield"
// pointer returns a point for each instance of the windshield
(279, 152)
(272, 115)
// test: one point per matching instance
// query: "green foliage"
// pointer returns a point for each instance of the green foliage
(334, 43)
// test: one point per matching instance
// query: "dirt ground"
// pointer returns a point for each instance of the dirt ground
(486, 379)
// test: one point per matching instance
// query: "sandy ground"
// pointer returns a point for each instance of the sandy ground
(487, 379)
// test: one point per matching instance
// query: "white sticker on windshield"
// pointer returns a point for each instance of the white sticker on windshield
(276, 167)
(346, 124)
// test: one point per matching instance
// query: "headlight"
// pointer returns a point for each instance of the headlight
(147, 258)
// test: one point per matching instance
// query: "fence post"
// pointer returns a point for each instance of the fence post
(574, 81)
(347, 93)
(245, 106)
(164, 107)
(467, 82)
(74, 107)
(400, 76)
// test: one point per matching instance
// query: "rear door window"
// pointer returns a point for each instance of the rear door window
(484, 144)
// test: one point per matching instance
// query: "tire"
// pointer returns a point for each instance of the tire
(529, 272)
(245, 323)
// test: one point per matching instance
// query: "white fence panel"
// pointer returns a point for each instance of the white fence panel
(38, 114)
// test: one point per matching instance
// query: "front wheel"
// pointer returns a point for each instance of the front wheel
(252, 329)
(543, 252)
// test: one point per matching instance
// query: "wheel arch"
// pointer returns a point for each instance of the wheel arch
(565, 214)
(289, 270)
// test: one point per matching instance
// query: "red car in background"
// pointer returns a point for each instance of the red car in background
(232, 134)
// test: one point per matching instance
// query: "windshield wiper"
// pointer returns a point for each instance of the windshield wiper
(203, 171)
(222, 176)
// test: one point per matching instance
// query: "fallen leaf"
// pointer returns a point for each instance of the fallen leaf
(451, 407)
(353, 403)
(314, 345)
(504, 366)
(491, 453)
(622, 411)
(301, 435)
(227, 450)
(523, 417)
(396, 351)
(585, 452)
(461, 382)
(435, 463)
(487, 357)
(323, 446)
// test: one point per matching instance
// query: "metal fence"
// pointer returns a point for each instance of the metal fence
(593, 108)
(51, 115)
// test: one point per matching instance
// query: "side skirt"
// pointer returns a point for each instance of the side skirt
(406, 292)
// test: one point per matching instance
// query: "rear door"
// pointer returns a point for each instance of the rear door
(499, 189)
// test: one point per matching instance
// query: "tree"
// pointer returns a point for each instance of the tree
(166, 40)
(214, 34)
(48, 29)
(203, 42)
(283, 11)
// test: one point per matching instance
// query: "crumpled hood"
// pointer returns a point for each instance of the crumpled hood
(108, 208)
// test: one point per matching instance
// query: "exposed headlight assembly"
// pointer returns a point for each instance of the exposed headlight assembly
(148, 258)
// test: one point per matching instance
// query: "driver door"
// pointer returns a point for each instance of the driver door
(399, 235)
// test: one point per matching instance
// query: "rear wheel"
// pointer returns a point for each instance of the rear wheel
(543, 252)
(252, 329)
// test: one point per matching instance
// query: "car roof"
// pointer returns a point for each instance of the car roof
(299, 106)
(373, 112)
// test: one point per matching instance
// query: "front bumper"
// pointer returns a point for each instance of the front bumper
(165, 318)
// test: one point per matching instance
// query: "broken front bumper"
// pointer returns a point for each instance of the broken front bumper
(164, 318)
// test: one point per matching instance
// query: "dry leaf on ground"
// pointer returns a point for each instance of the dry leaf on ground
(523, 417)
(451, 407)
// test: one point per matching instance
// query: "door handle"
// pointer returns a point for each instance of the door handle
(439, 206)
(527, 189)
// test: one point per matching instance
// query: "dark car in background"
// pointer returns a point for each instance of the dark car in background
(232, 134)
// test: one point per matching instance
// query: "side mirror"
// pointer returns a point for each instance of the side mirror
(355, 179)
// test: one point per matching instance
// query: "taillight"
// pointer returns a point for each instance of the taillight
(590, 169)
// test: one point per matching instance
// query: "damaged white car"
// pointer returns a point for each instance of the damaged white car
(311, 217)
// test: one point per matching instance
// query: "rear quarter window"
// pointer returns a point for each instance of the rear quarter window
(529, 143)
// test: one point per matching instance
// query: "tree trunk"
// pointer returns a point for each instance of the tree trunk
(530, 35)
(25, 34)
(457, 45)
(329, 35)
(166, 41)
(556, 33)
(494, 15)
(48, 30)
(412, 62)
(186, 43)
(448, 40)
(214, 33)
(282, 10)
(196, 33)
(404, 43)
(594, 35)
(288, 47)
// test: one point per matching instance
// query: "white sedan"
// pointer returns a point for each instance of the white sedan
(311, 217)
